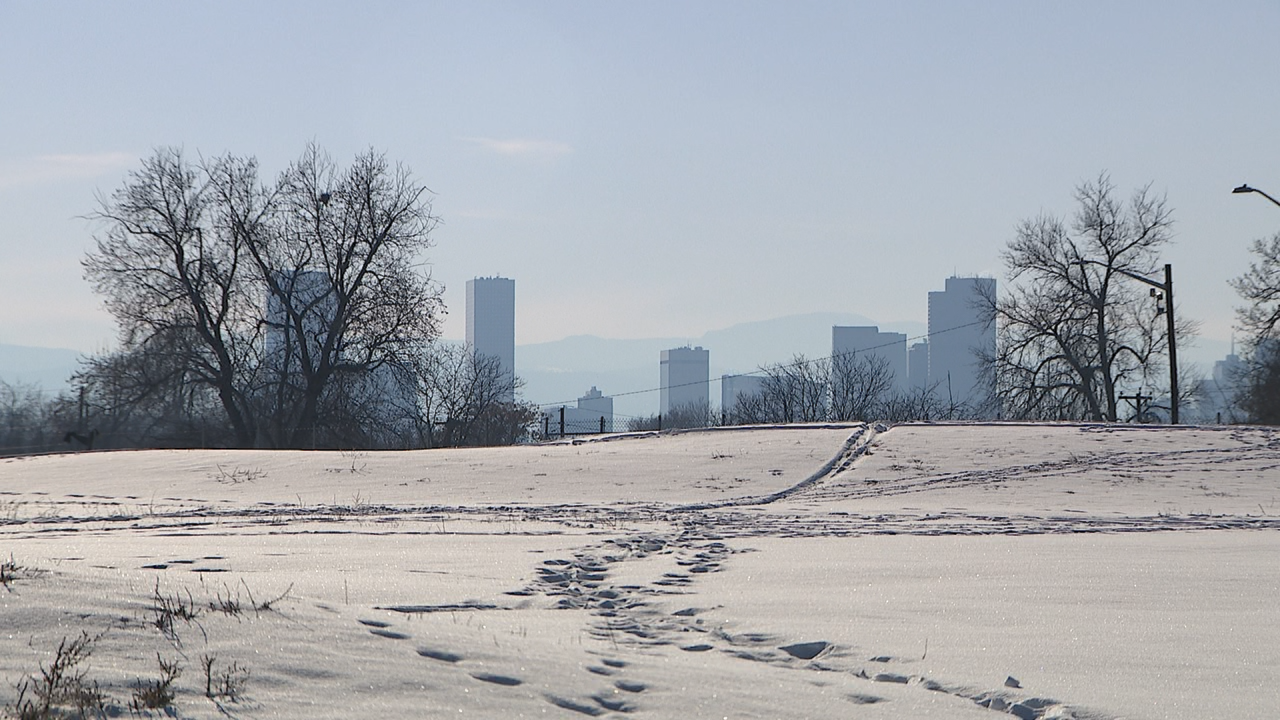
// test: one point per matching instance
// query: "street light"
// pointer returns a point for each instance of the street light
(1165, 287)
(1244, 188)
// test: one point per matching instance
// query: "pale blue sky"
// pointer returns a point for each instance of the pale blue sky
(658, 168)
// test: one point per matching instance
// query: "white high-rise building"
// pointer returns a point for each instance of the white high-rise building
(491, 322)
(863, 340)
(685, 379)
(957, 337)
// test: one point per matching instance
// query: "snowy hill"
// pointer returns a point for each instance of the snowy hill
(843, 571)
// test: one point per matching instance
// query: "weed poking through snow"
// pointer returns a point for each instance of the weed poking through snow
(61, 684)
(226, 683)
(155, 694)
(171, 608)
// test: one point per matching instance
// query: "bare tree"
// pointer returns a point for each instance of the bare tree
(24, 419)
(147, 396)
(167, 267)
(861, 386)
(340, 270)
(1259, 287)
(465, 400)
(291, 301)
(1073, 331)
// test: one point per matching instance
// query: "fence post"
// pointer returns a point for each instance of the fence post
(601, 424)
(561, 421)
(659, 422)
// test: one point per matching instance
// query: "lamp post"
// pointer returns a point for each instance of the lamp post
(1244, 188)
(1165, 287)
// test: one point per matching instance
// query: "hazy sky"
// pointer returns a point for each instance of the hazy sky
(654, 168)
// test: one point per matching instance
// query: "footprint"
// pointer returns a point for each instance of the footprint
(631, 686)
(506, 680)
(806, 650)
(441, 655)
(860, 699)
(375, 623)
(614, 704)
(614, 663)
(599, 670)
(578, 707)
(700, 647)
(392, 634)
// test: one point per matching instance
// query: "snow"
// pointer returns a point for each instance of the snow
(848, 571)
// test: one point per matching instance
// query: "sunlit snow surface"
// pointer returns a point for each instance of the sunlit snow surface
(837, 571)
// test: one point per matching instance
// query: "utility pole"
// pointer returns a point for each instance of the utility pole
(1166, 289)
(1173, 344)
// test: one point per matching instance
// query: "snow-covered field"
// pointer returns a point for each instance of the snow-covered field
(838, 571)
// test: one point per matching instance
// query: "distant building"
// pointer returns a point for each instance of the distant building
(957, 336)
(491, 322)
(309, 295)
(867, 340)
(599, 406)
(1222, 392)
(918, 365)
(593, 414)
(685, 379)
(733, 387)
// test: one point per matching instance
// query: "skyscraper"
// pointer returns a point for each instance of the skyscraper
(918, 364)
(686, 379)
(733, 387)
(957, 337)
(863, 341)
(491, 323)
(298, 323)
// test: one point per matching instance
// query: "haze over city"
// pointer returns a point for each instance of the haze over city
(658, 170)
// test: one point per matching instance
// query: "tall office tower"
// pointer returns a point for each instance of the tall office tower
(861, 340)
(686, 379)
(918, 365)
(957, 336)
(491, 322)
(298, 320)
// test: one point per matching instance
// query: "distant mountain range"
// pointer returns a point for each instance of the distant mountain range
(561, 371)
(50, 368)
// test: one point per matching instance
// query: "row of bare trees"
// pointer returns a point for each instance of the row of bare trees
(846, 387)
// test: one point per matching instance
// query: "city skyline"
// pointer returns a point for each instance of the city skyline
(657, 170)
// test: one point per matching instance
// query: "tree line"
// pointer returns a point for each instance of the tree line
(296, 313)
